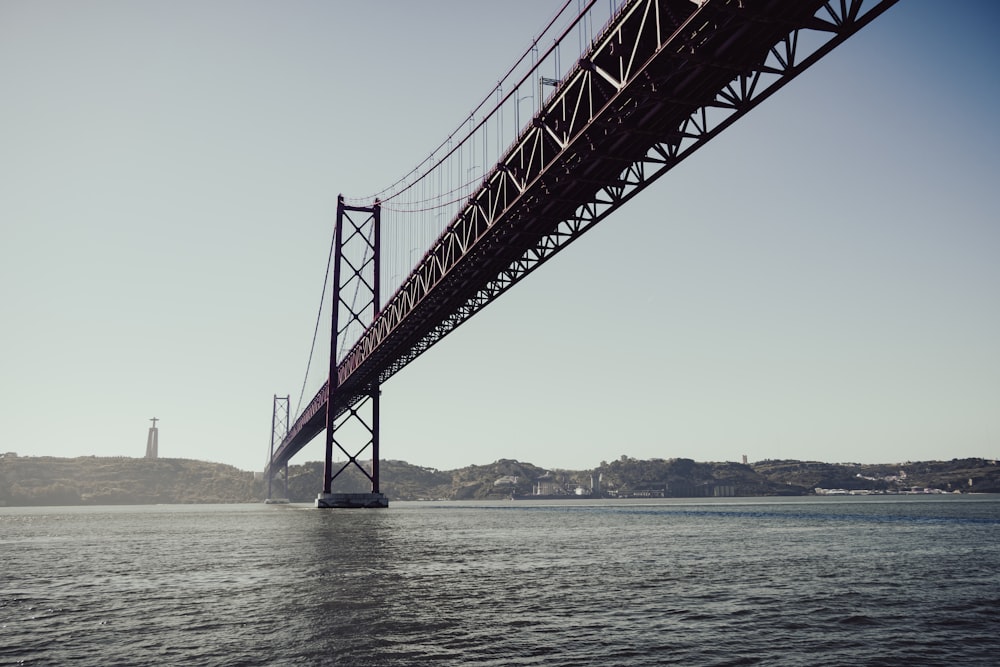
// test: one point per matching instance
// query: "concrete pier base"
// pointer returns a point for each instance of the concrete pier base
(351, 500)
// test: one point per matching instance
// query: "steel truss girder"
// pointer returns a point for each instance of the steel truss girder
(664, 78)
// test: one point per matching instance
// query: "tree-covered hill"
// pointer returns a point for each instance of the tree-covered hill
(125, 481)
(400, 480)
(970, 475)
(685, 478)
(91, 480)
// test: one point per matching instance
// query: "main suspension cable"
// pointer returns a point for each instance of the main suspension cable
(418, 173)
(319, 314)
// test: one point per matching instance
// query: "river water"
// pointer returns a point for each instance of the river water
(806, 581)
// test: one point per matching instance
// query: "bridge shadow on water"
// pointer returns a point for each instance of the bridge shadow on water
(747, 581)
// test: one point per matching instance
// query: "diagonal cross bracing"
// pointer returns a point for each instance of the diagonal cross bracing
(662, 79)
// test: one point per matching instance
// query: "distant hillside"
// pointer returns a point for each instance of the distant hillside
(965, 475)
(685, 478)
(628, 477)
(91, 480)
(127, 481)
(400, 480)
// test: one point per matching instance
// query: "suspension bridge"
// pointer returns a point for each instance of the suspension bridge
(609, 97)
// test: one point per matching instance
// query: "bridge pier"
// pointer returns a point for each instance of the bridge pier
(351, 500)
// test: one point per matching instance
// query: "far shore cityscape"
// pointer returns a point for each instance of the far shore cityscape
(92, 480)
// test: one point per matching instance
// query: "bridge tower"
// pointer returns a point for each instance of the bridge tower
(356, 300)
(279, 429)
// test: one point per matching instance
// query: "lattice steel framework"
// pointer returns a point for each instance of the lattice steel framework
(355, 305)
(664, 78)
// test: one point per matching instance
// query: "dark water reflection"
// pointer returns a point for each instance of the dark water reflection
(737, 581)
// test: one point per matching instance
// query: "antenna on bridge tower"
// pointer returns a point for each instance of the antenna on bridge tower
(353, 415)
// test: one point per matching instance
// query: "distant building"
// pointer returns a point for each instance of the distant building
(595, 483)
(152, 441)
(546, 485)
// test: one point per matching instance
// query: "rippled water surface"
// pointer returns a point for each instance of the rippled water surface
(816, 581)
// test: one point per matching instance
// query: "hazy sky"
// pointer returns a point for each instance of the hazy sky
(820, 282)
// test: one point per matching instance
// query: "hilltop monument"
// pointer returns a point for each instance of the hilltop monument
(152, 444)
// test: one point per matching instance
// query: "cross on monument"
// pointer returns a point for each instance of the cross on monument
(154, 420)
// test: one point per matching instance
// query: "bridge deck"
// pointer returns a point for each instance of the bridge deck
(656, 66)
